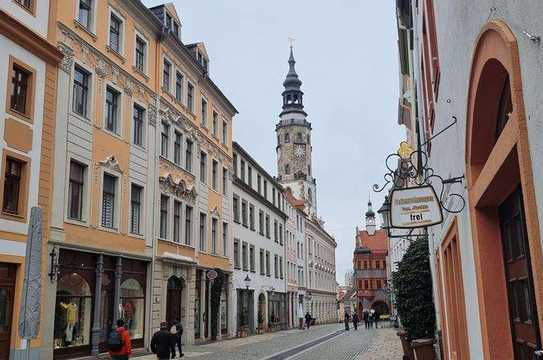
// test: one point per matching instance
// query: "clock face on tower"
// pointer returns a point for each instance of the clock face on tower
(299, 151)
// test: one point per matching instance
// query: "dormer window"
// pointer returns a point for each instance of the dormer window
(168, 21)
(176, 29)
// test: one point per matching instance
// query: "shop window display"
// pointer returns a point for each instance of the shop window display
(224, 312)
(131, 308)
(73, 312)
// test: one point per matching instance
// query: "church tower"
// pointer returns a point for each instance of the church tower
(294, 142)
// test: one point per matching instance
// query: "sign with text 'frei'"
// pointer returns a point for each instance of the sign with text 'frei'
(415, 207)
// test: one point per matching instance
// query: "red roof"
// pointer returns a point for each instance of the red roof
(297, 203)
(378, 243)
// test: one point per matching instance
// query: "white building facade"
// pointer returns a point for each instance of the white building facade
(260, 272)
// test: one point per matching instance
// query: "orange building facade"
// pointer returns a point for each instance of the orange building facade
(370, 272)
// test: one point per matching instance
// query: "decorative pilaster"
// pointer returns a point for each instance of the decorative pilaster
(117, 295)
(97, 326)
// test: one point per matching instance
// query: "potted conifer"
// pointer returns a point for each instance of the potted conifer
(414, 301)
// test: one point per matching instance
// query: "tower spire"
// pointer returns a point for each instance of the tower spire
(292, 95)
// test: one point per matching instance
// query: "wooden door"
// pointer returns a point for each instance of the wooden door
(174, 300)
(7, 285)
(520, 287)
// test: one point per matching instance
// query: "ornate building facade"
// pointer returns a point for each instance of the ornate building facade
(28, 101)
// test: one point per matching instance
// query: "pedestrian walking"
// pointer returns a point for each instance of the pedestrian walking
(372, 318)
(366, 317)
(161, 343)
(118, 342)
(355, 320)
(346, 320)
(301, 316)
(307, 320)
(176, 329)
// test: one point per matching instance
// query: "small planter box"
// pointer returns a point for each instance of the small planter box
(243, 332)
(408, 352)
(424, 349)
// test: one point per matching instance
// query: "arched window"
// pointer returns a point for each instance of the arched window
(299, 137)
(308, 138)
(309, 170)
(287, 138)
(287, 169)
(132, 307)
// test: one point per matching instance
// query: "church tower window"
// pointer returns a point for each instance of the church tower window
(299, 137)
(287, 169)
(287, 138)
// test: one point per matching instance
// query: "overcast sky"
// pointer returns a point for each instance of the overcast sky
(346, 55)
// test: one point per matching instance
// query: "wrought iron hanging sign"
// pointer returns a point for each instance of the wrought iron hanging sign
(414, 201)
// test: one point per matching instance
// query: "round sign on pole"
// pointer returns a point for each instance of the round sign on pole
(212, 275)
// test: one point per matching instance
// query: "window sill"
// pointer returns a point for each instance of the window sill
(114, 134)
(111, 230)
(140, 72)
(137, 236)
(80, 117)
(138, 146)
(83, 223)
(116, 53)
(85, 29)
(13, 217)
(20, 116)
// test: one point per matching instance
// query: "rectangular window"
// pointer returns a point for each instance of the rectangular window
(252, 258)
(168, 21)
(280, 234)
(261, 222)
(108, 201)
(28, 4)
(273, 196)
(188, 225)
(268, 267)
(215, 123)
(76, 190)
(85, 13)
(262, 263)
(203, 167)
(275, 231)
(235, 163)
(179, 87)
(203, 220)
(276, 266)
(265, 190)
(244, 257)
(175, 29)
(136, 198)
(281, 267)
(242, 170)
(165, 139)
(141, 54)
(259, 183)
(215, 175)
(138, 118)
(267, 226)
(112, 109)
(177, 148)
(204, 113)
(252, 217)
(244, 213)
(177, 208)
(188, 156)
(164, 202)
(224, 132)
(225, 239)
(80, 91)
(13, 186)
(224, 180)
(250, 176)
(190, 97)
(166, 71)
(236, 254)
(115, 33)
(214, 225)
(21, 89)
(235, 202)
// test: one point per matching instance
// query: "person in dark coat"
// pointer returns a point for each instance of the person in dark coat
(366, 317)
(346, 319)
(176, 329)
(161, 343)
(355, 320)
(307, 320)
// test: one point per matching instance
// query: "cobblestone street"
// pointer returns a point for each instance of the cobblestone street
(364, 344)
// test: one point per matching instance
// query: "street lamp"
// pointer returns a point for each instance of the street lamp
(384, 211)
(247, 281)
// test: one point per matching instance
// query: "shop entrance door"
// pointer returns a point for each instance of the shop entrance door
(7, 285)
(518, 275)
(173, 299)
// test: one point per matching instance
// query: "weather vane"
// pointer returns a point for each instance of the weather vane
(291, 41)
